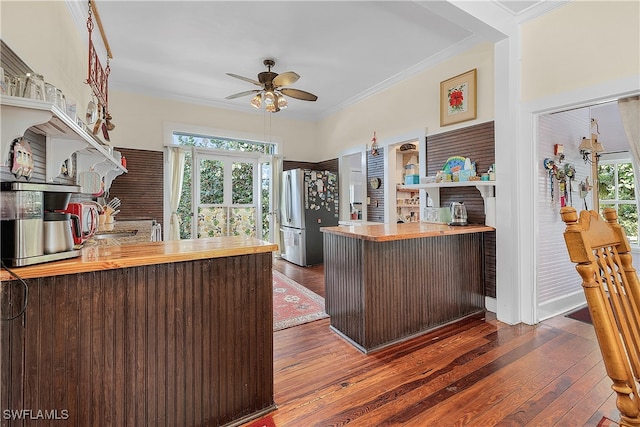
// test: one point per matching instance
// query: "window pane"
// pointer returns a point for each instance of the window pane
(242, 222)
(211, 182)
(628, 219)
(212, 222)
(242, 181)
(626, 186)
(606, 185)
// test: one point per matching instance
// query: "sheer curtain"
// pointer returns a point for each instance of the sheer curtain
(176, 169)
(630, 116)
(276, 179)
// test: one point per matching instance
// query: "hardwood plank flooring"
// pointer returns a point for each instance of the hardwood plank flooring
(480, 373)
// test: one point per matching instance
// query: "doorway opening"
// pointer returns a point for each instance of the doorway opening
(602, 179)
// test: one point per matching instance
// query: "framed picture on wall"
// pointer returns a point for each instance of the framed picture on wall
(458, 98)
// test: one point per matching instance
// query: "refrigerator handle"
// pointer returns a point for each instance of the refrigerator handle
(287, 198)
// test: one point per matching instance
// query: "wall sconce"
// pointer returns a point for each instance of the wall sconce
(590, 146)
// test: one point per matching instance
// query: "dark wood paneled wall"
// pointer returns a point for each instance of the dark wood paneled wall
(141, 189)
(375, 169)
(478, 143)
(378, 293)
(183, 344)
(326, 165)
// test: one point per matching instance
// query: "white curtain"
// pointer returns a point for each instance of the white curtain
(276, 179)
(630, 116)
(176, 169)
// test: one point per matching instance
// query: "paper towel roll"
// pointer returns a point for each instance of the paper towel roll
(490, 211)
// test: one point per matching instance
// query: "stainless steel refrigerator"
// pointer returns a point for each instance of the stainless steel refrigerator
(309, 201)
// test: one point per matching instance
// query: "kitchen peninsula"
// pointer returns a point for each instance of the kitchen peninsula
(386, 283)
(171, 333)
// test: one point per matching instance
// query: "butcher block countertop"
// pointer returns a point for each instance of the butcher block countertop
(413, 230)
(112, 257)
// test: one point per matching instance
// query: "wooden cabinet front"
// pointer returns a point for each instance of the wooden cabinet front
(382, 292)
(187, 343)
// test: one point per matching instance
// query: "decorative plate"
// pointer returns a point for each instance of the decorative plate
(375, 183)
(454, 164)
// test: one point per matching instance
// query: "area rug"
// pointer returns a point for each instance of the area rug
(582, 314)
(293, 304)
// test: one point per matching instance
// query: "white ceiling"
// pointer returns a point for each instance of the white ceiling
(344, 51)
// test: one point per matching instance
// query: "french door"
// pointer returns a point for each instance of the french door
(226, 196)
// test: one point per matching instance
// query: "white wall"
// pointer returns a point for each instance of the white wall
(558, 285)
(140, 120)
(579, 45)
(411, 104)
(43, 34)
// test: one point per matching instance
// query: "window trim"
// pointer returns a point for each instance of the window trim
(616, 159)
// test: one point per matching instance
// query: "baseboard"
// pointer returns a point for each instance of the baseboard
(561, 305)
(491, 304)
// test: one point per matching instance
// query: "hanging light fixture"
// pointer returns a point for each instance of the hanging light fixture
(282, 102)
(269, 98)
(256, 101)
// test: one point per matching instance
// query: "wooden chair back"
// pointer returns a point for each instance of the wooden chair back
(603, 256)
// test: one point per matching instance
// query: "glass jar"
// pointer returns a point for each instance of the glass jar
(49, 92)
(61, 101)
(34, 86)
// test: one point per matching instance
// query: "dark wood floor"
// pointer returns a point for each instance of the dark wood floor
(482, 373)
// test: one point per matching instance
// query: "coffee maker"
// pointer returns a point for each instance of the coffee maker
(33, 225)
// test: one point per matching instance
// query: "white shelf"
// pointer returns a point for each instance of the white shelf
(486, 188)
(64, 136)
(448, 184)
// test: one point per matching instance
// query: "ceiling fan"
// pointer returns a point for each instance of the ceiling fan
(272, 88)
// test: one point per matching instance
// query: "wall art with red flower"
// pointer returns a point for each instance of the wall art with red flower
(458, 98)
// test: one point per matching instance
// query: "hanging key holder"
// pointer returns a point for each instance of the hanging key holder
(562, 185)
(550, 166)
(570, 172)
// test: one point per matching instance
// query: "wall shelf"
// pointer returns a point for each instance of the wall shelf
(486, 188)
(64, 137)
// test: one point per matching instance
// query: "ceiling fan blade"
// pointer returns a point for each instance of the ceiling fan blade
(246, 79)
(285, 79)
(298, 94)
(245, 93)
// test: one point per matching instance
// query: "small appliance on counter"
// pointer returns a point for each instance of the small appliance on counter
(458, 214)
(33, 223)
(84, 219)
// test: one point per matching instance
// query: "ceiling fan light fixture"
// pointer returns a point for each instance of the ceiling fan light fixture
(269, 98)
(282, 102)
(274, 89)
(256, 101)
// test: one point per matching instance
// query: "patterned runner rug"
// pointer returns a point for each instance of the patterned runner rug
(293, 304)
